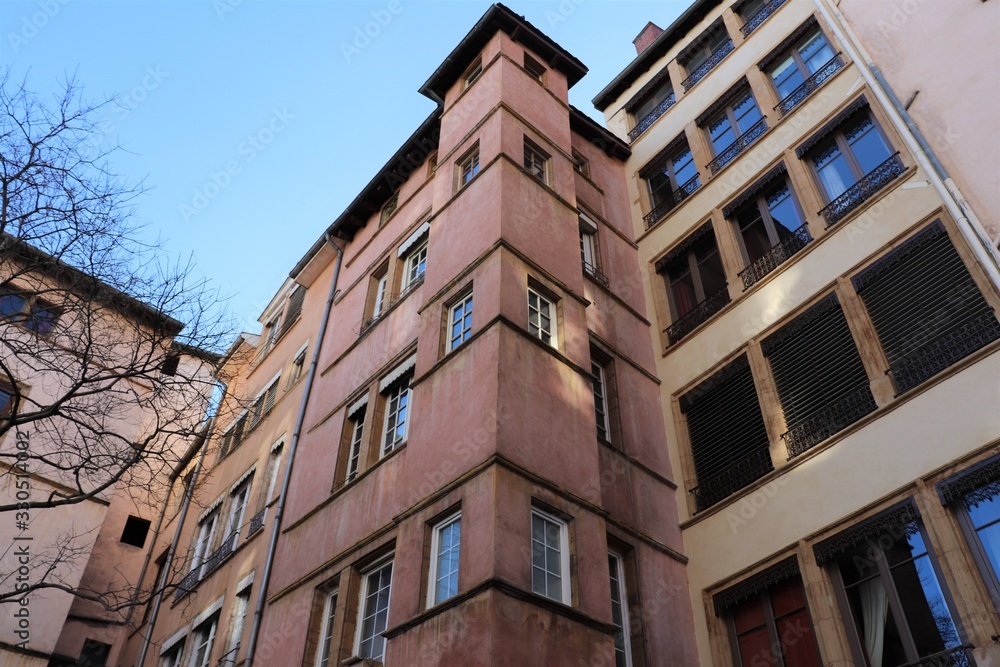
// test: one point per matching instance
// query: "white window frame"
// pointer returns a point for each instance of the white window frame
(566, 587)
(173, 654)
(536, 152)
(552, 316)
(205, 540)
(237, 624)
(597, 369)
(466, 331)
(619, 574)
(203, 639)
(298, 365)
(365, 577)
(470, 160)
(238, 512)
(433, 571)
(357, 422)
(588, 250)
(388, 394)
(473, 73)
(411, 267)
(380, 296)
(325, 643)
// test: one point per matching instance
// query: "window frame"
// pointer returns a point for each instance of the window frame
(989, 576)
(205, 640)
(705, 50)
(617, 573)
(366, 574)
(566, 587)
(759, 200)
(553, 318)
(387, 396)
(412, 261)
(8, 407)
(698, 283)
(173, 655)
(840, 139)
(669, 194)
(434, 567)
(727, 111)
(355, 443)
(465, 302)
(533, 67)
(200, 556)
(27, 315)
(602, 412)
(536, 161)
(298, 366)
(472, 74)
(242, 490)
(389, 208)
(324, 644)
(467, 167)
(237, 626)
(581, 164)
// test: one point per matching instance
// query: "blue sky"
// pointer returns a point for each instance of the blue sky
(255, 122)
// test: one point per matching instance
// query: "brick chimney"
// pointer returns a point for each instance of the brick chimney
(646, 37)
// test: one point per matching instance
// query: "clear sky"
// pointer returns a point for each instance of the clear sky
(255, 122)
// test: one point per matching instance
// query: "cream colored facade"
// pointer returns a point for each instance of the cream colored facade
(902, 449)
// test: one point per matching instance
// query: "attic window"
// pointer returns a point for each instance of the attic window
(473, 72)
(389, 208)
(533, 67)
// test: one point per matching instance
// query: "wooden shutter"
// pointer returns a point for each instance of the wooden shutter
(728, 439)
(822, 382)
(294, 309)
(926, 308)
(269, 396)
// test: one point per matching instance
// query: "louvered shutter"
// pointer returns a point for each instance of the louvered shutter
(821, 380)
(728, 439)
(294, 309)
(926, 308)
(269, 397)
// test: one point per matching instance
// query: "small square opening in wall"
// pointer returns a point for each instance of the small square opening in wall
(135, 531)
(94, 653)
(533, 67)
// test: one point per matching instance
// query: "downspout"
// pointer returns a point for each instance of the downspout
(172, 551)
(283, 496)
(971, 229)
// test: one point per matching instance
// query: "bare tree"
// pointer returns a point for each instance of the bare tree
(106, 346)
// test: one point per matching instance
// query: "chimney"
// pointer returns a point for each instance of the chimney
(647, 36)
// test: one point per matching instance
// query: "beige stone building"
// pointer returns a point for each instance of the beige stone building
(824, 317)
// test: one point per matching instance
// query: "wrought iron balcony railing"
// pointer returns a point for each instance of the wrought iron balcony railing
(704, 310)
(942, 352)
(817, 79)
(953, 657)
(703, 69)
(596, 274)
(675, 198)
(775, 257)
(832, 418)
(740, 474)
(188, 584)
(762, 15)
(738, 146)
(861, 191)
(256, 522)
(218, 556)
(651, 117)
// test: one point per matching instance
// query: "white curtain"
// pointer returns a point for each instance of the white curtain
(832, 182)
(874, 610)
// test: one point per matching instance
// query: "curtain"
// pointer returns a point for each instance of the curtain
(874, 610)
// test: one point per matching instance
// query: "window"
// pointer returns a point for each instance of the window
(298, 363)
(389, 208)
(974, 495)
(651, 103)
(473, 72)
(755, 12)
(732, 128)
(294, 309)
(542, 318)
(442, 581)
(203, 541)
(695, 281)
(272, 331)
(238, 510)
(535, 159)
(415, 264)
(135, 531)
(460, 322)
(94, 653)
(204, 637)
(397, 413)
(588, 249)
(468, 166)
(927, 310)
(822, 383)
(534, 68)
(852, 163)
(379, 295)
(549, 557)
(172, 656)
(799, 70)
(893, 602)
(619, 611)
(769, 226)
(267, 489)
(726, 430)
(8, 400)
(170, 364)
(241, 604)
(701, 58)
(324, 656)
(581, 164)
(374, 611)
(600, 400)
(670, 179)
(356, 423)
(28, 311)
(769, 621)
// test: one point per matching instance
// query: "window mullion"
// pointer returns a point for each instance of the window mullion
(772, 630)
(896, 606)
(765, 214)
(848, 153)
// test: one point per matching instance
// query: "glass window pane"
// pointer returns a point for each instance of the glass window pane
(798, 646)
(816, 52)
(755, 238)
(713, 276)
(834, 171)
(684, 167)
(746, 112)
(749, 615)
(877, 629)
(868, 147)
(755, 648)
(722, 134)
(783, 211)
(927, 614)
(787, 77)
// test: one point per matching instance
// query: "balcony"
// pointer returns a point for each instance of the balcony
(675, 198)
(765, 12)
(793, 99)
(219, 556)
(596, 274)
(861, 191)
(738, 146)
(836, 416)
(697, 315)
(702, 70)
(256, 522)
(651, 117)
(775, 257)
(733, 478)
(188, 584)
(944, 351)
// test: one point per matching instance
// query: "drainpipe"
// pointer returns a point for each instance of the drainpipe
(161, 585)
(283, 496)
(968, 224)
